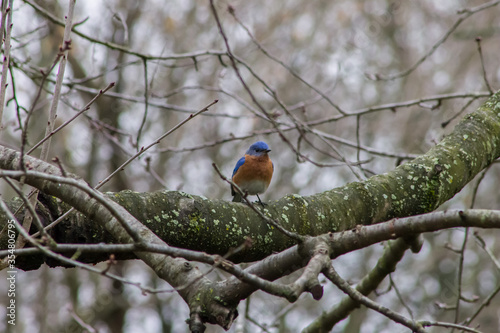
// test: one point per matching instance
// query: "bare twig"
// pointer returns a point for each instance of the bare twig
(333, 276)
(63, 50)
(483, 67)
(63, 54)
(469, 102)
(234, 60)
(398, 105)
(6, 11)
(129, 248)
(155, 142)
(85, 108)
(57, 161)
(460, 276)
(80, 321)
(461, 253)
(146, 99)
(353, 144)
(400, 297)
(482, 244)
(427, 323)
(24, 138)
(3, 23)
(476, 187)
(483, 305)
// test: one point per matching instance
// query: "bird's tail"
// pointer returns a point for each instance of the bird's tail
(237, 197)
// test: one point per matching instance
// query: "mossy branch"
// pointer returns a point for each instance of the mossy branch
(216, 226)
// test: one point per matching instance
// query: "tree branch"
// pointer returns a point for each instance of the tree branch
(333, 276)
(392, 255)
(416, 187)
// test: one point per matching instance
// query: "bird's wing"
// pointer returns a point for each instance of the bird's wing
(236, 196)
(238, 164)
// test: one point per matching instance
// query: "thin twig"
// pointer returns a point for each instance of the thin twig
(446, 122)
(476, 187)
(63, 54)
(427, 323)
(482, 244)
(4, 17)
(155, 142)
(462, 250)
(400, 297)
(460, 276)
(146, 99)
(85, 108)
(333, 276)
(483, 67)
(398, 105)
(24, 137)
(80, 321)
(484, 304)
(64, 51)
(6, 53)
(234, 59)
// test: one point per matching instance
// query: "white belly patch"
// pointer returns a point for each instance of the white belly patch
(253, 187)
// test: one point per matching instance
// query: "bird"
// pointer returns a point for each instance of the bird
(253, 172)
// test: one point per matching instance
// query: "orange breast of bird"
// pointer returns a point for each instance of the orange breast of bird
(254, 176)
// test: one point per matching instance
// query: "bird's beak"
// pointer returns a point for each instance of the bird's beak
(268, 150)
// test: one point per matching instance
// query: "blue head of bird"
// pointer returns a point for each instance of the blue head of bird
(259, 148)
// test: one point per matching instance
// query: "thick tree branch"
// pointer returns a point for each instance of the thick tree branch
(215, 226)
(288, 261)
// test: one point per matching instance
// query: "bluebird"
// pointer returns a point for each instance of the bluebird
(253, 172)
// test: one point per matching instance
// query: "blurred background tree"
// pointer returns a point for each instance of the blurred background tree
(377, 82)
